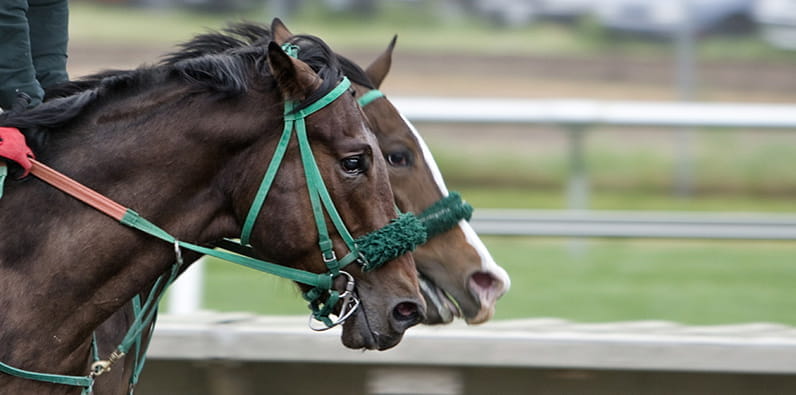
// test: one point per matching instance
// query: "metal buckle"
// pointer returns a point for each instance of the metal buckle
(177, 252)
(330, 259)
(102, 366)
(350, 304)
(362, 260)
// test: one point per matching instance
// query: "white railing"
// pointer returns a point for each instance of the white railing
(635, 224)
(576, 116)
(570, 112)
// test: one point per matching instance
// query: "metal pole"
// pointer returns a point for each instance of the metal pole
(578, 183)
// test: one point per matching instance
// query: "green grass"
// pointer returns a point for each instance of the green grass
(592, 281)
(235, 288)
(689, 282)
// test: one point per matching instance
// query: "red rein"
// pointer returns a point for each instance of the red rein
(77, 190)
(14, 148)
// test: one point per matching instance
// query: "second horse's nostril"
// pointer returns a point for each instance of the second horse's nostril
(406, 311)
(483, 280)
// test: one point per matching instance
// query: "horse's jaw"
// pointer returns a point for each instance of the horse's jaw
(484, 289)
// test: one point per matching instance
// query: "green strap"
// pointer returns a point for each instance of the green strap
(341, 87)
(293, 120)
(94, 347)
(320, 199)
(290, 49)
(3, 173)
(140, 350)
(322, 280)
(77, 381)
(149, 308)
(370, 96)
(139, 355)
(265, 186)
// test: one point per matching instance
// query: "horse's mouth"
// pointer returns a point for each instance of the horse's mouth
(485, 289)
(358, 333)
(442, 308)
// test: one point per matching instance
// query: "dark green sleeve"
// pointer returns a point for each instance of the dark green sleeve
(49, 34)
(17, 73)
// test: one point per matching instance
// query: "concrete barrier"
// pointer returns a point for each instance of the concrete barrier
(214, 353)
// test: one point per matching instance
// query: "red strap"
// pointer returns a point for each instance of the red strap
(78, 191)
(13, 147)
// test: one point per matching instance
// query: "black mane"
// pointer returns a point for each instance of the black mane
(354, 72)
(242, 36)
(217, 63)
(235, 36)
(220, 75)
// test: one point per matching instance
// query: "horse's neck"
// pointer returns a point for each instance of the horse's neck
(64, 267)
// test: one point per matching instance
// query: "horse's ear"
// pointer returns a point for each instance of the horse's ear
(295, 78)
(279, 31)
(381, 66)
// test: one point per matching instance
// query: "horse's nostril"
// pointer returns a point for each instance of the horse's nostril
(483, 280)
(406, 311)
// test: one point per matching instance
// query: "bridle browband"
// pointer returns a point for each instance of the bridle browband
(371, 251)
(369, 96)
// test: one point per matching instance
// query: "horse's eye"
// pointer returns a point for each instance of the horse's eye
(354, 164)
(398, 158)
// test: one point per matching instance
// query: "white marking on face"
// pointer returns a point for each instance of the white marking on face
(432, 164)
(488, 263)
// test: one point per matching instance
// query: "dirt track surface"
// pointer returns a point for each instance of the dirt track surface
(605, 77)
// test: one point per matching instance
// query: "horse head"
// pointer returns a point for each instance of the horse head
(458, 275)
(354, 172)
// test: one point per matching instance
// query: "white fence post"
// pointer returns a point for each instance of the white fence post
(185, 295)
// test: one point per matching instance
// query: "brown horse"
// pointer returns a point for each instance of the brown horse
(185, 145)
(458, 276)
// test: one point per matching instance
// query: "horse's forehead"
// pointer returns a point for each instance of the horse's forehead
(343, 121)
(389, 126)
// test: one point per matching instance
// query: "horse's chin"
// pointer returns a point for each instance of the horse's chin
(441, 309)
(359, 333)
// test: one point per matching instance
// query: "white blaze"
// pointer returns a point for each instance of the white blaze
(488, 263)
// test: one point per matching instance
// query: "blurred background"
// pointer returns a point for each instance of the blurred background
(569, 51)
